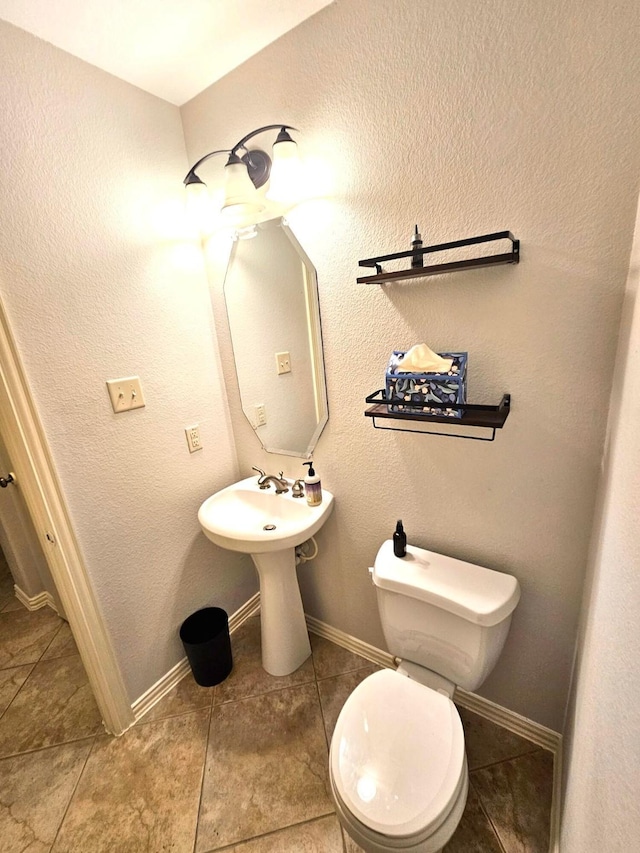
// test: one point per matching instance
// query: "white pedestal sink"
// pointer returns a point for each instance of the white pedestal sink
(268, 526)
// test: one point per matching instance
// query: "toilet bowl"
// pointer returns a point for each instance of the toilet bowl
(397, 766)
(397, 763)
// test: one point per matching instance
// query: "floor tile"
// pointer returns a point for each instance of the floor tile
(487, 743)
(25, 635)
(474, 833)
(62, 644)
(329, 659)
(516, 795)
(334, 692)
(248, 678)
(318, 836)
(12, 604)
(139, 793)
(55, 705)
(266, 786)
(186, 697)
(11, 680)
(35, 790)
(266, 767)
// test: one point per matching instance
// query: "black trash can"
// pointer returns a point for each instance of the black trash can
(205, 637)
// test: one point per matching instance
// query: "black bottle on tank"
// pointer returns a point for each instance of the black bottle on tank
(400, 540)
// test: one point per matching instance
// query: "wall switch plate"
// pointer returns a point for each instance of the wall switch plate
(125, 394)
(261, 415)
(283, 362)
(193, 438)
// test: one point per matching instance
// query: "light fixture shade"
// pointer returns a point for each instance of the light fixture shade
(284, 182)
(200, 211)
(240, 196)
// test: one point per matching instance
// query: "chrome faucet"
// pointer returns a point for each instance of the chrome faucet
(265, 480)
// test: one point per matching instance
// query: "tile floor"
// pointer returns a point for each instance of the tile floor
(241, 767)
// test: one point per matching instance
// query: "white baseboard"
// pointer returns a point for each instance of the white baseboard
(556, 811)
(352, 644)
(175, 675)
(248, 609)
(35, 602)
(519, 725)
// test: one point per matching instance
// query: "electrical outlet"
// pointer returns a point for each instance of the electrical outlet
(125, 394)
(193, 438)
(283, 362)
(261, 415)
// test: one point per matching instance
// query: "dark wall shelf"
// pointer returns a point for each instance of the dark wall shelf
(473, 415)
(381, 276)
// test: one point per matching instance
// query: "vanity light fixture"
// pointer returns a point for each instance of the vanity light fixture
(246, 172)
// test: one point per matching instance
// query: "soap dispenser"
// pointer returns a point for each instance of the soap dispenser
(400, 540)
(312, 486)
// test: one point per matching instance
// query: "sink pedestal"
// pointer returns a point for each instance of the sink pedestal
(285, 640)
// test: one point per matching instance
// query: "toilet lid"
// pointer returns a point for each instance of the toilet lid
(397, 754)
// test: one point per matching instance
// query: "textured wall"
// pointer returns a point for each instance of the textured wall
(98, 284)
(602, 797)
(466, 118)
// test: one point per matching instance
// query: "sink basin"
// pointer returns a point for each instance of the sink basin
(245, 518)
(268, 526)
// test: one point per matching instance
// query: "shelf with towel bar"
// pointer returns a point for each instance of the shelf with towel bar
(381, 276)
(473, 415)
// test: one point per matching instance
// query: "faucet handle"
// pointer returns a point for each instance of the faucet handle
(297, 490)
(284, 480)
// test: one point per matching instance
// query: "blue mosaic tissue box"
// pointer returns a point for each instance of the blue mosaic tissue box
(417, 390)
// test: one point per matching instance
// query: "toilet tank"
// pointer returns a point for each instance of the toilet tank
(446, 615)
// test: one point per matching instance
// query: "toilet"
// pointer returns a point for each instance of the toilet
(397, 761)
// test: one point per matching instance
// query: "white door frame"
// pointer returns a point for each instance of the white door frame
(37, 480)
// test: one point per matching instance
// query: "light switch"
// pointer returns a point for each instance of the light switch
(261, 415)
(283, 362)
(125, 394)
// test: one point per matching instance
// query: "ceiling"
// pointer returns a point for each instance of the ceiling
(171, 48)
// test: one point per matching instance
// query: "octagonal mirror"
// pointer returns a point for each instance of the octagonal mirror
(271, 295)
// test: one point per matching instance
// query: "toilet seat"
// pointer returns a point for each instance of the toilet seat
(427, 842)
(397, 757)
